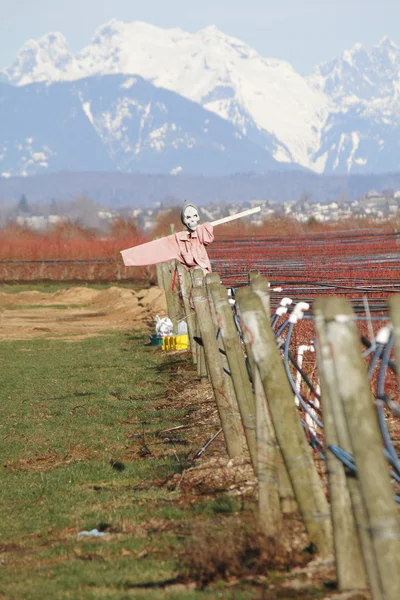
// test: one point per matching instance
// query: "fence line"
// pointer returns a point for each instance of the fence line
(241, 342)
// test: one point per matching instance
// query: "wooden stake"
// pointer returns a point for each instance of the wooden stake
(260, 285)
(185, 283)
(197, 276)
(295, 449)
(372, 469)
(237, 367)
(167, 269)
(349, 558)
(229, 415)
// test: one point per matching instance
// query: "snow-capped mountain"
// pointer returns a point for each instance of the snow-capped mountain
(342, 118)
(357, 75)
(117, 122)
(264, 98)
(362, 130)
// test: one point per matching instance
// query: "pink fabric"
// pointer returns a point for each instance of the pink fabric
(186, 247)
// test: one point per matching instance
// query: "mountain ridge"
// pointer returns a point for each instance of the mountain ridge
(121, 123)
(342, 118)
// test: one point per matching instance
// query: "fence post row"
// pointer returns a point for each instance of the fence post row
(262, 416)
(355, 397)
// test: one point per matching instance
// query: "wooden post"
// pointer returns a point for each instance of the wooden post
(349, 558)
(269, 498)
(159, 274)
(229, 415)
(212, 279)
(167, 277)
(185, 283)
(355, 395)
(237, 367)
(214, 287)
(394, 308)
(259, 338)
(260, 285)
(197, 276)
(252, 275)
(178, 306)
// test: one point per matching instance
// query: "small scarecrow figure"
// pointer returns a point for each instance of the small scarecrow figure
(188, 247)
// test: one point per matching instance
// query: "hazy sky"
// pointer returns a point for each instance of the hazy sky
(303, 32)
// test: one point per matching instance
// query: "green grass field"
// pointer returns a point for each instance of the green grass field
(76, 418)
(80, 450)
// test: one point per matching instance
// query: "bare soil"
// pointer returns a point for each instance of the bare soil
(78, 312)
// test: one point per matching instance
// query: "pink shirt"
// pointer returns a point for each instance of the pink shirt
(186, 247)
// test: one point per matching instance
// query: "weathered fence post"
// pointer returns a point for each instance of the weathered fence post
(214, 287)
(296, 451)
(237, 367)
(394, 308)
(252, 275)
(355, 395)
(160, 282)
(260, 285)
(254, 413)
(212, 279)
(228, 412)
(349, 558)
(171, 296)
(270, 500)
(197, 276)
(185, 282)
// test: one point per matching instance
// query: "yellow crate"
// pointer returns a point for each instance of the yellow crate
(175, 342)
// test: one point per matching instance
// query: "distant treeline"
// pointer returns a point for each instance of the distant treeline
(124, 189)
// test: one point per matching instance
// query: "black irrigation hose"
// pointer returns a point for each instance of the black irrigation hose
(381, 352)
(381, 393)
(392, 366)
(348, 460)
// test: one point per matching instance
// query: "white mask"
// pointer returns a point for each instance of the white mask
(191, 218)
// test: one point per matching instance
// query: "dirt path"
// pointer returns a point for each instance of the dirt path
(78, 312)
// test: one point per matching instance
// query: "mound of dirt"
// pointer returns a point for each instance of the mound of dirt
(124, 303)
(94, 311)
(114, 299)
(33, 297)
(74, 295)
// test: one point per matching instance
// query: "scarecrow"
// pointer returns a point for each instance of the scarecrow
(188, 246)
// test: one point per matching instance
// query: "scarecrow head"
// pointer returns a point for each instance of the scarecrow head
(190, 216)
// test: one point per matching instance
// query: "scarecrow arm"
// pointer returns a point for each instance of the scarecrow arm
(251, 211)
